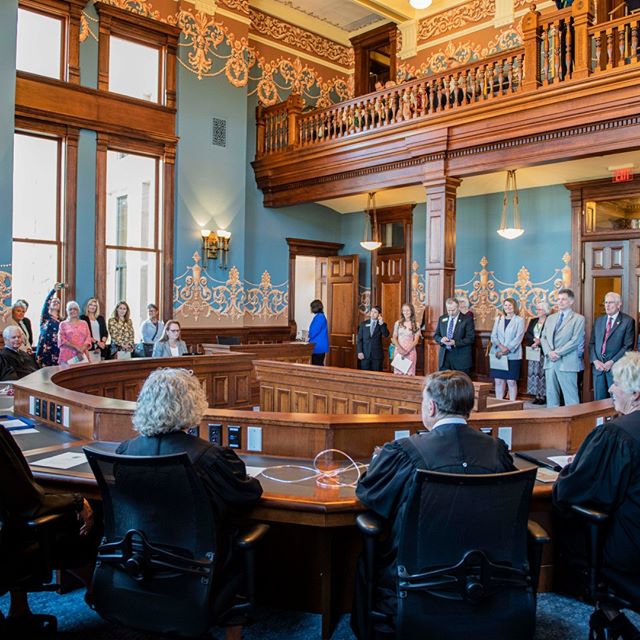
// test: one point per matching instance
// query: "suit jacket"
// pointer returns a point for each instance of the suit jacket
(567, 341)
(464, 334)
(510, 337)
(163, 350)
(371, 345)
(16, 364)
(620, 340)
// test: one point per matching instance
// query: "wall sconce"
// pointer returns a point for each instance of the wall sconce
(215, 244)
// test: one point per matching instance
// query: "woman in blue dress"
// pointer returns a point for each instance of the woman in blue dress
(48, 350)
(318, 333)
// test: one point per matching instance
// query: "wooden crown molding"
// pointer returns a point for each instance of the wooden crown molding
(301, 247)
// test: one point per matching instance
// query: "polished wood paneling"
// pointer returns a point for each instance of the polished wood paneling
(342, 309)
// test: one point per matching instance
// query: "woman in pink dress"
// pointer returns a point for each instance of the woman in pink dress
(406, 335)
(74, 338)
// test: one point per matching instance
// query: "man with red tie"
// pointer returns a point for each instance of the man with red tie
(612, 336)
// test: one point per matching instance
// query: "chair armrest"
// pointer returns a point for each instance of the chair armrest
(591, 515)
(247, 539)
(537, 533)
(370, 524)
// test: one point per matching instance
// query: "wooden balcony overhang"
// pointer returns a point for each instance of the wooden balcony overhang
(346, 149)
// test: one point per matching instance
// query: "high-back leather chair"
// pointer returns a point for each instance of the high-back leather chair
(463, 567)
(158, 567)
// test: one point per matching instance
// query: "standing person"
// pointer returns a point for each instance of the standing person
(406, 335)
(47, 351)
(370, 334)
(97, 326)
(74, 338)
(463, 303)
(121, 329)
(318, 333)
(170, 345)
(612, 336)
(455, 334)
(451, 446)
(151, 329)
(506, 338)
(18, 318)
(535, 372)
(562, 336)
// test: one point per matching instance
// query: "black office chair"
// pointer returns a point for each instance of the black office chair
(609, 590)
(466, 568)
(228, 340)
(27, 545)
(158, 567)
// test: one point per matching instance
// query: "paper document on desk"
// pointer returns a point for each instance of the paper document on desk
(23, 432)
(12, 423)
(562, 461)
(254, 472)
(546, 475)
(66, 460)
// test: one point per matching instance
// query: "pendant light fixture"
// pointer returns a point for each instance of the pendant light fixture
(420, 4)
(371, 224)
(515, 231)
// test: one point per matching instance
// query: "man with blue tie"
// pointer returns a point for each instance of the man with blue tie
(455, 334)
(562, 336)
(612, 336)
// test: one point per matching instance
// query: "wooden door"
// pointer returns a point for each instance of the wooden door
(342, 309)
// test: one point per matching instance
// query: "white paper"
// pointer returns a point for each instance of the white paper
(401, 363)
(546, 475)
(562, 461)
(499, 364)
(22, 432)
(401, 433)
(13, 422)
(66, 460)
(504, 433)
(532, 354)
(254, 438)
(254, 472)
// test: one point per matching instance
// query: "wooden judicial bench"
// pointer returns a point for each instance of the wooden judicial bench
(312, 526)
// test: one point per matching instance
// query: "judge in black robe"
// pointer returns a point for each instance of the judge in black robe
(605, 475)
(15, 363)
(451, 446)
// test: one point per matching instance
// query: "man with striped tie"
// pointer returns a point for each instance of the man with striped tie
(612, 336)
(562, 336)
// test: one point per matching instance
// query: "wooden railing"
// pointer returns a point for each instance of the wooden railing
(558, 47)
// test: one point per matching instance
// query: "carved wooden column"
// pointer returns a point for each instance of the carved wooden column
(531, 41)
(582, 20)
(70, 212)
(440, 259)
(167, 214)
(295, 103)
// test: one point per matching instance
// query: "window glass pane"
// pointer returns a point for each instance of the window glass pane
(613, 215)
(131, 276)
(39, 44)
(133, 69)
(392, 235)
(131, 203)
(35, 271)
(35, 187)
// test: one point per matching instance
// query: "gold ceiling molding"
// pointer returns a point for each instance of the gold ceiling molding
(456, 18)
(239, 5)
(300, 38)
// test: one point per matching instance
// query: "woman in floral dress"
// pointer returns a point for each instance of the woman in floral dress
(47, 351)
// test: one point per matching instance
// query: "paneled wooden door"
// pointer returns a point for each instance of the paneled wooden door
(342, 309)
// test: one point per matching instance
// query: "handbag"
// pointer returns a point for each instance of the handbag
(391, 351)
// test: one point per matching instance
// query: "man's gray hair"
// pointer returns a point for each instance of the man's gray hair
(626, 372)
(170, 400)
(616, 296)
(452, 392)
(6, 334)
(451, 301)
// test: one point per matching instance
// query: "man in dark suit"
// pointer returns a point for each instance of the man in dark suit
(612, 336)
(15, 363)
(451, 446)
(370, 334)
(455, 334)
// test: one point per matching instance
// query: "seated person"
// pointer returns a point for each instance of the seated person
(23, 498)
(451, 446)
(171, 401)
(605, 475)
(170, 345)
(14, 362)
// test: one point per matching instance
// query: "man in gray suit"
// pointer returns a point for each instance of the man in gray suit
(561, 338)
(612, 336)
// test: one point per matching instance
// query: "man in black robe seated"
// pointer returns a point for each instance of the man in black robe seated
(451, 446)
(14, 363)
(605, 475)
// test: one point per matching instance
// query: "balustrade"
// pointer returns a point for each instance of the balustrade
(614, 44)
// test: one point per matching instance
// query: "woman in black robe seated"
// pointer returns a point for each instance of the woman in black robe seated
(605, 475)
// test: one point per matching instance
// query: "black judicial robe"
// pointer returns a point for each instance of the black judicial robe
(605, 475)
(449, 448)
(15, 364)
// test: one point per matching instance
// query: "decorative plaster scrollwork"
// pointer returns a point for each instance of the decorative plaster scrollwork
(265, 301)
(454, 19)
(5, 289)
(418, 291)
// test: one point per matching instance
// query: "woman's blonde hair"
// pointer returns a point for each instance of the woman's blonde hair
(86, 306)
(170, 400)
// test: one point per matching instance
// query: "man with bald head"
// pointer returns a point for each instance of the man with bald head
(14, 363)
(612, 336)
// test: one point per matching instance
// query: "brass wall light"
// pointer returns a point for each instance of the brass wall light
(215, 245)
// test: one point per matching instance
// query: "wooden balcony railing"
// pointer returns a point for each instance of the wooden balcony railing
(558, 47)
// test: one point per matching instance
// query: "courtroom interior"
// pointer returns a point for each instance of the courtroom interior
(356, 224)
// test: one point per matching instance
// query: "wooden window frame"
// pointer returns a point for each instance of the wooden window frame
(141, 30)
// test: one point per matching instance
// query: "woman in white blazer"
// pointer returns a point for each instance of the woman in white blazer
(506, 342)
(170, 344)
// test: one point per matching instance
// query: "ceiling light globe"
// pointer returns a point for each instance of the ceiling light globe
(370, 245)
(510, 233)
(420, 4)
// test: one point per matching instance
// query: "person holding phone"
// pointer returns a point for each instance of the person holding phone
(370, 334)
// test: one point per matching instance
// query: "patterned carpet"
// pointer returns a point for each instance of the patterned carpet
(559, 618)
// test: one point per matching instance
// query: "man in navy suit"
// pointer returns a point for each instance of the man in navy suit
(612, 336)
(370, 334)
(455, 334)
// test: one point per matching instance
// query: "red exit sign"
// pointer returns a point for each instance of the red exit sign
(624, 174)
